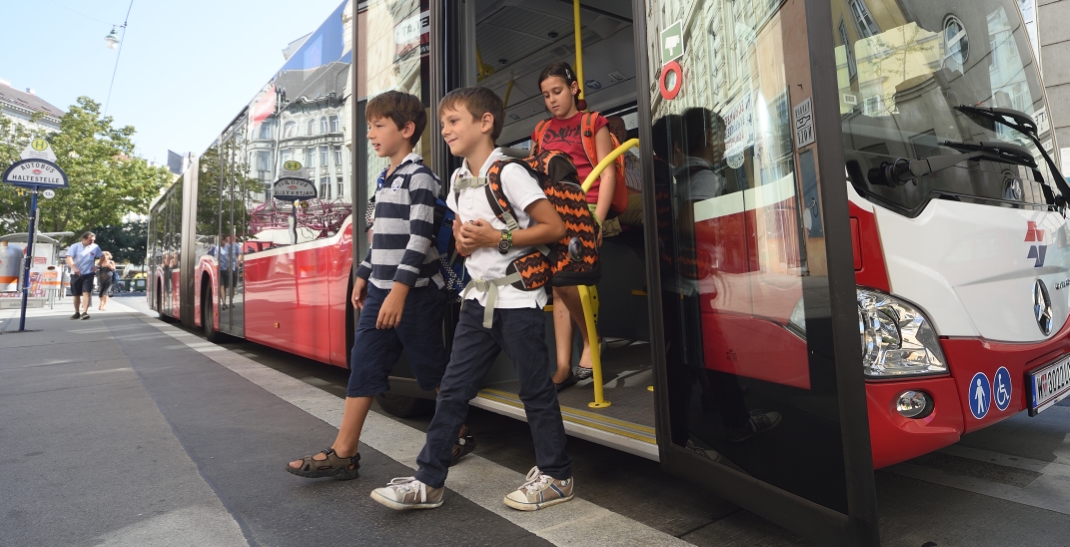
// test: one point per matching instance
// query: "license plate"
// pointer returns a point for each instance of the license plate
(1048, 385)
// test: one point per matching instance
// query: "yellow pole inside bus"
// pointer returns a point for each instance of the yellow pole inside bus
(589, 295)
(579, 45)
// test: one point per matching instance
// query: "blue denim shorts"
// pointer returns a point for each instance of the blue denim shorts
(375, 351)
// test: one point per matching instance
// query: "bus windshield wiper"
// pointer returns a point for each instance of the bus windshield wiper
(1026, 125)
(901, 170)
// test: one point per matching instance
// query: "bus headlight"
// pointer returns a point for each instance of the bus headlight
(897, 339)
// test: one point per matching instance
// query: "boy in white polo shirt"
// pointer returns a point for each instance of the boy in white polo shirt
(471, 121)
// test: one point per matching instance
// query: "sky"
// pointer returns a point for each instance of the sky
(187, 68)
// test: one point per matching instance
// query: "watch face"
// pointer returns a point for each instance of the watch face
(503, 246)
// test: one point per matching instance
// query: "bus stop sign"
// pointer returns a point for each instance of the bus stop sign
(294, 189)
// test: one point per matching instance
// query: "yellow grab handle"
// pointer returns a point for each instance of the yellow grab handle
(606, 161)
(579, 44)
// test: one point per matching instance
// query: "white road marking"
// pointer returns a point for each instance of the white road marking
(578, 523)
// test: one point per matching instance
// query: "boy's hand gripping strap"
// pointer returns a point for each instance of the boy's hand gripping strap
(491, 288)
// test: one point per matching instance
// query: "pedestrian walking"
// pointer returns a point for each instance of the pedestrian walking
(105, 278)
(81, 259)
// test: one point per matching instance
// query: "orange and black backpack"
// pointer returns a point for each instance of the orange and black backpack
(572, 260)
(587, 122)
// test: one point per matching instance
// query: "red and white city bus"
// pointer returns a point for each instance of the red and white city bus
(956, 211)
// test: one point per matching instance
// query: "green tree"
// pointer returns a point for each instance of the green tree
(126, 243)
(107, 181)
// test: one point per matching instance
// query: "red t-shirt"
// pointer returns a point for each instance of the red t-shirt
(564, 135)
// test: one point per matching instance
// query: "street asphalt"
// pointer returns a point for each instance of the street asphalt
(124, 430)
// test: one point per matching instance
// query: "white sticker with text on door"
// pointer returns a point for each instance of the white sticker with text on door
(804, 123)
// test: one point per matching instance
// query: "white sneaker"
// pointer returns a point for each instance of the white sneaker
(540, 491)
(408, 493)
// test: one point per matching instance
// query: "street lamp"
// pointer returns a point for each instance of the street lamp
(112, 39)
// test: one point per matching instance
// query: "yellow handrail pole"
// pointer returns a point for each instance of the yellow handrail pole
(579, 44)
(587, 298)
(607, 161)
(508, 90)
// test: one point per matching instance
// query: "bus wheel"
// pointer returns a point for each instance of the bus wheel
(207, 323)
(404, 407)
(159, 306)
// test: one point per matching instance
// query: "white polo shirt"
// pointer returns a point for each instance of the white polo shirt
(521, 189)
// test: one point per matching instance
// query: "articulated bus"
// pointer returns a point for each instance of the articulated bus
(814, 173)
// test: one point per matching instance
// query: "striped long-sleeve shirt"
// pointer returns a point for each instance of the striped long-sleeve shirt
(404, 225)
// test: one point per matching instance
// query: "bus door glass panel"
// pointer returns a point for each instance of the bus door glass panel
(747, 387)
(234, 225)
(209, 175)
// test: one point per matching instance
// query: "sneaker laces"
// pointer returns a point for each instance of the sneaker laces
(535, 481)
(409, 484)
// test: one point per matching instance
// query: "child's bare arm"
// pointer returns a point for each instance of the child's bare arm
(608, 181)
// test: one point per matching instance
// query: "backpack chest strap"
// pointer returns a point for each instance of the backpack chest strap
(489, 286)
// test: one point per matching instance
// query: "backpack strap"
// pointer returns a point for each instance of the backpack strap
(587, 132)
(540, 130)
(489, 286)
(499, 203)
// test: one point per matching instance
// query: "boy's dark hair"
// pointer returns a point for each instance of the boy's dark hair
(561, 70)
(400, 107)
(87, 235)
(478, 101)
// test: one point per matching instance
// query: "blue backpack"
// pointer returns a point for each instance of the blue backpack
(450, 264)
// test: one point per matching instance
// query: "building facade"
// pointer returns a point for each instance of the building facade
(20, 106)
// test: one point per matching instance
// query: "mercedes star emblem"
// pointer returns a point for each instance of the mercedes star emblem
(1042, 307)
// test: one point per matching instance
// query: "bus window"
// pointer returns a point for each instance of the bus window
(900, 100)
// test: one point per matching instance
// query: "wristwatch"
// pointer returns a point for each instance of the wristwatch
(506, 242)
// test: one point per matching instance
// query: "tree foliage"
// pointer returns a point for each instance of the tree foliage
(126, 242)
(107, 181)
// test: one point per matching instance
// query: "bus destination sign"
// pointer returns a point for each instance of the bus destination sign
(294, 189)
(34, 172)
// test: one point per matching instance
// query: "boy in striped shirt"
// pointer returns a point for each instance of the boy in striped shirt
(398, 287)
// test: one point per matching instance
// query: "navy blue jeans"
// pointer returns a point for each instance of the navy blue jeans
(521, 334)
(375, 351)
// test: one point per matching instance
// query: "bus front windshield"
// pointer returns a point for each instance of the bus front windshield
(903, 68)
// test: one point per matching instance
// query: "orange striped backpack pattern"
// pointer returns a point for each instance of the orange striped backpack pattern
(572, 260)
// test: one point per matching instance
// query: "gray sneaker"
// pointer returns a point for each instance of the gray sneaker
(540, 491)
(408, 493)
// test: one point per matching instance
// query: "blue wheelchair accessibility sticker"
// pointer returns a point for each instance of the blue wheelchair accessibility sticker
(980, 395)
(1001, 388)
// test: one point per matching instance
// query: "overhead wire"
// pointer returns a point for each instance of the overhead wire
(82, 14)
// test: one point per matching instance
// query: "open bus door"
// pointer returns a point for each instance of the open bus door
(759, 390)
(732, 302)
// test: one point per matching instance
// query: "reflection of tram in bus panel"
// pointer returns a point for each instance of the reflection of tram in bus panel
(949, 248)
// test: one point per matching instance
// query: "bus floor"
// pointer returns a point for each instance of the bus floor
(627, 423)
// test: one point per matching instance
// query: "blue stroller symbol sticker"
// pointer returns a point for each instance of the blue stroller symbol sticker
(1001, 388)
(980, 395)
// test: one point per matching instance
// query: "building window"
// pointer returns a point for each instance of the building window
(310, 128)
(323, 125)
(334, 124)
(338, 155)
(263, 162)
(323, 156)
(325, 187)
(265, 130)
(846, 43)
(287, 155)
(289, 130)
(341, 188)
(863, 20)
(310, 157)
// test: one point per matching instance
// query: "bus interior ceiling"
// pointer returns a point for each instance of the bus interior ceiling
(514, 41)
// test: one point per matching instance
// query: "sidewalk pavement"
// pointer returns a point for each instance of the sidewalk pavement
(124, 430)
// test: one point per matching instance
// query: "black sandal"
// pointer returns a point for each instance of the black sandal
(334, 466)
(465, 445)
(568, 382)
